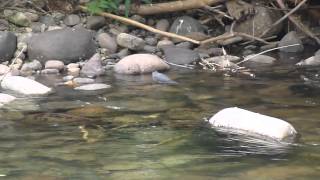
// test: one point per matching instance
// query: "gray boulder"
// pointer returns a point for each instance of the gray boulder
(68, 45)
(140, 64)
(8, 45)
(259, 60)
(93, 67)
(289, 39)
(185, 25)
(178, 55)
(95, 22)
(263, 19)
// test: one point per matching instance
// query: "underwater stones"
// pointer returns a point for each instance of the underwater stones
(236, 120)
(140, 64)
(93, 87)
(24, 85)
(162, 78)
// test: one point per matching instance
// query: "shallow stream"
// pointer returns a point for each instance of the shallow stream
(142, 130)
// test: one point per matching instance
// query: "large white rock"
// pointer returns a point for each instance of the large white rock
(24, 85)
(243, 121)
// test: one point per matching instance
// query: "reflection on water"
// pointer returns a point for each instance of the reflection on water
(141, 130)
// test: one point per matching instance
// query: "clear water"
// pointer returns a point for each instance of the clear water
(142, 130)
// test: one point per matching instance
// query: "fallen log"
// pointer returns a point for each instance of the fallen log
(167, 7)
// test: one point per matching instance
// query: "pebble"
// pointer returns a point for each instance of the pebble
(72, 20)
(129, 41)
(107, 42)
(54, 64)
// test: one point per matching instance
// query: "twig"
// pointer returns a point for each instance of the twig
(178, 65)
(250, 57)
(173, 6)
(143, 26)
(284, 17)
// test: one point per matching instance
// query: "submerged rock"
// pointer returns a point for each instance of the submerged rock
(162, 78)
(93, 87)
(140, 64)
(236, 120)
(24, 85)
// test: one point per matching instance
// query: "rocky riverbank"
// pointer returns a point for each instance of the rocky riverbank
(82, 47)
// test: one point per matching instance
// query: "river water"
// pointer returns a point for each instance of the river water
(142, 130)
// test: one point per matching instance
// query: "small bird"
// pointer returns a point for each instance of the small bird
(162, 78)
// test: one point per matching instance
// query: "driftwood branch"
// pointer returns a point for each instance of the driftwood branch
(299, 24)
(167, 7)
(143, 26)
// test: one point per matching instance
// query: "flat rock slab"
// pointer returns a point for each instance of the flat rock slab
(236, 120)
(68, 45)
(24, 85)
(93, 87)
